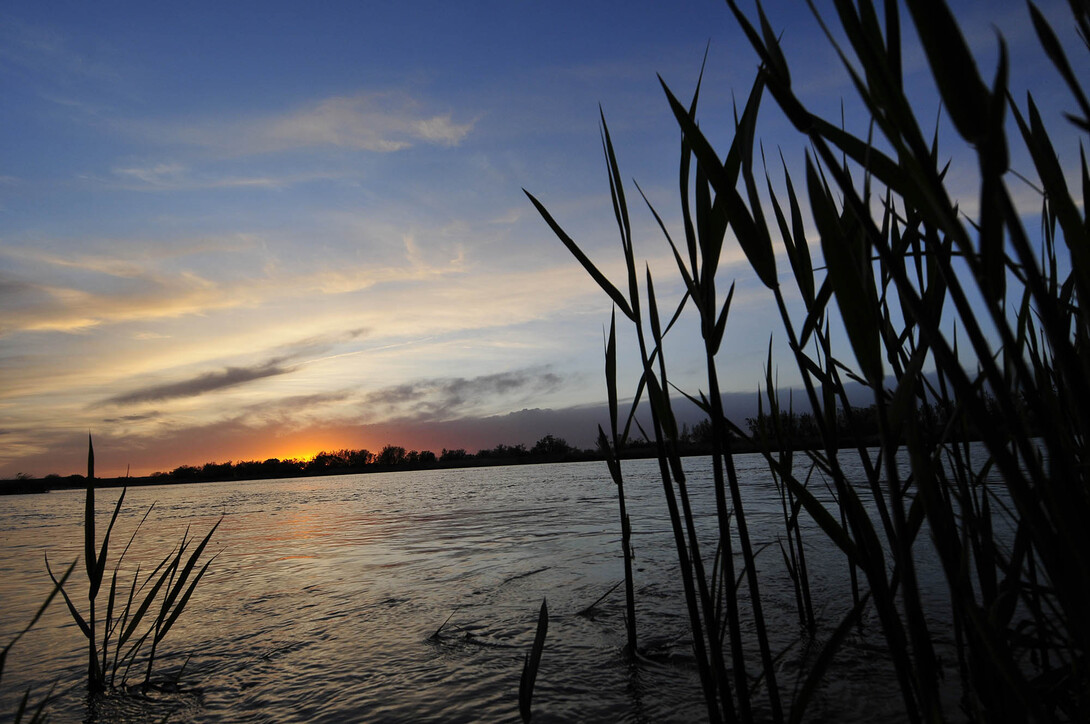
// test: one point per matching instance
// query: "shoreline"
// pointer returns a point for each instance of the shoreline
(34, 486)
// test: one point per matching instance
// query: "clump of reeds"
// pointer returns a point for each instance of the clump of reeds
(910, 276)
(138, 620)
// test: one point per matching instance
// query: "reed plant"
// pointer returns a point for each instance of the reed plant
(610, 448)
(912, 279)
(137, 620)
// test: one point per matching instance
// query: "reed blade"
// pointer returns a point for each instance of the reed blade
(58, 585)
(603, 282)
(532, 662)
(89, 514)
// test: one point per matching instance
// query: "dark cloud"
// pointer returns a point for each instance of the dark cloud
(199, 385)
(10, 286)
(444, 397)
(234, 376)
(134, 418)
(296, 403)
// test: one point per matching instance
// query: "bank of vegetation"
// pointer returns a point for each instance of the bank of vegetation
(797, 430)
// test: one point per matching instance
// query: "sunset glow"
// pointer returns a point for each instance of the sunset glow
(249, 230)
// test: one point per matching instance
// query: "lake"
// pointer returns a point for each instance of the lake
(326, 594)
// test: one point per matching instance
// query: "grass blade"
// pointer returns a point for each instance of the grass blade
(532, 662)
(68, 601)
(605, 284)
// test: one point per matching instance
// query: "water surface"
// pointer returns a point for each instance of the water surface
(326, 595)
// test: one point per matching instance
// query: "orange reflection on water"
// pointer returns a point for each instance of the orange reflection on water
(297, 525)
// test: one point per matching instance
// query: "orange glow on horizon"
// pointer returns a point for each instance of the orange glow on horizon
(307, 445)
(259, 445)
(306, 456)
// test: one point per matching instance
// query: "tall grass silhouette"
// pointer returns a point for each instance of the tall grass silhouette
(135, 621)
(913, 280)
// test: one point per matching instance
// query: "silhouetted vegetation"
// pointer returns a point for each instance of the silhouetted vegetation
(337, 462)
(914, 279)
(117, 640)
(855, 426)
(797, 430)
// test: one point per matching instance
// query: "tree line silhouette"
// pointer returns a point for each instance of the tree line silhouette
(391, 457)
(854, 425)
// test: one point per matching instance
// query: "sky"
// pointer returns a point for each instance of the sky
(235, 231)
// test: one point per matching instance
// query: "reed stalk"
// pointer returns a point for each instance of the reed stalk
(532, 663)
(611, 448)
(174, 577)
(900, 267)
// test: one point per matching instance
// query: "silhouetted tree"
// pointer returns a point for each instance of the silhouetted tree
(360, 458)
(452, 455)
(550, 446)
(185, 472)
(391, 455)
(502, 451)
(700, 433)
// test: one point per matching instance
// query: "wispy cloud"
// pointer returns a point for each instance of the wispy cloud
(65, 309)
(379, 122)
(78, 290)
(370, 122)
(318, 344)
(38, 297)
(172, 176)
(126, 257)
(112, 265)
(140, 417)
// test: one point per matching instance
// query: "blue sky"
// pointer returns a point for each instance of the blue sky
(244, 230)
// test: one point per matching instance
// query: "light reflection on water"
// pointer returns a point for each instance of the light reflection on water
(326, 593)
